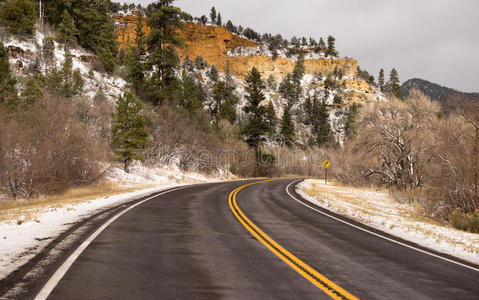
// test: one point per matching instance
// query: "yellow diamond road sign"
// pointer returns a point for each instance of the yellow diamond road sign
(326, 164)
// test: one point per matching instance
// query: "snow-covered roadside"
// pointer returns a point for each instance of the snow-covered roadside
(379, 210)
(21, 242)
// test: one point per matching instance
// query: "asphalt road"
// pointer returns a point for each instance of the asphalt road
(188, 244)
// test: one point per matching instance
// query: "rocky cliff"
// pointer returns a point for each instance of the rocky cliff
(216, 45)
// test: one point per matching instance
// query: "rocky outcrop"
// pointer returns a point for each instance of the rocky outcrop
(214, 43)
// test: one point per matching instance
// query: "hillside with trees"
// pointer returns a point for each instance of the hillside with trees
(84, 89)
(449, 98)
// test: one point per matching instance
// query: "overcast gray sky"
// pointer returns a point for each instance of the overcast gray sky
(437, 40)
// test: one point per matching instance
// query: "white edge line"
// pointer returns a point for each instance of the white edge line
(376, 234)
(55, 279)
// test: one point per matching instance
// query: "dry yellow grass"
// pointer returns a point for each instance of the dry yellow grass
(410, 212)
(14, 209)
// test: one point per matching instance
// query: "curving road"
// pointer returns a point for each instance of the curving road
(205, 242)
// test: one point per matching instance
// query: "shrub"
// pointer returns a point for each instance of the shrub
(193, 145)
(467, 222)
(47, 150)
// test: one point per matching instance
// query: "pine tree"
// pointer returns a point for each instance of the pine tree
(304, 41)
(321, 44)
(163, 60)
(65, 81)
(199, 62)
(190, 96)
(188, 64)
(67, 30)
(224, 102)
(230, 26)
(213, 73)
(331, 51)
(48, 50)
(381, 80)
(271, 118)
(140, 35)
(129, 135)
(219, 21)
(287, 128)
(19, 16)
(308, 111)
(291, 86)
(32, 92)
(393, 86)
(322, 126)
(95, 25)
(213, 15)
(203, 19)
(271, 83)
(8, 93)
(350, 127)
(136, 58)
(256, 126)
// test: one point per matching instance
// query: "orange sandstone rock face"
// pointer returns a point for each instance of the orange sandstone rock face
(214, 43)
(126, 28)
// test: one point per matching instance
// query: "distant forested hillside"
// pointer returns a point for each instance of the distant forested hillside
(449, 98)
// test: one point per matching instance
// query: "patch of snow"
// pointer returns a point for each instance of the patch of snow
(379, 210)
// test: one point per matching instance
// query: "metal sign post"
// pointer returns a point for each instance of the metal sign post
(326, 165)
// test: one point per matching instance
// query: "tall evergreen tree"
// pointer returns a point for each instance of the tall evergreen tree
(290, 87)
(163, 60)
(190, 97)
(256, 126)
(271, 118)
(331, 51)
(140, 35)
(287, 128)
(308, 111)
(219, 21)
(381, 80)
(350, 127)
(136, 58)
(129, 135)
(67, 31)
(213, 15)
(8, 93)
(322, 126)
(224, 102)
(393, 86)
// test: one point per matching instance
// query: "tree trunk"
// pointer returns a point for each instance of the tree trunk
(127, 165)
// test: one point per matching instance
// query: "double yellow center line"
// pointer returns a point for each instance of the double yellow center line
(320, 281)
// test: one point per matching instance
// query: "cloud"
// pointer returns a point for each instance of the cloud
(435, 40)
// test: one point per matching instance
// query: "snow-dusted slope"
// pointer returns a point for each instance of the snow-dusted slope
(26, 55)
